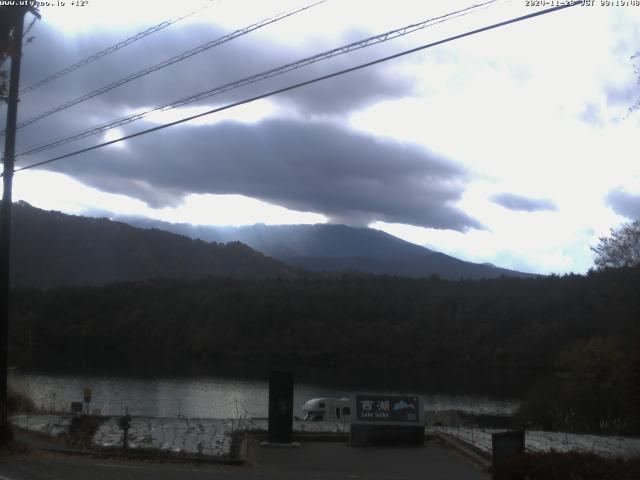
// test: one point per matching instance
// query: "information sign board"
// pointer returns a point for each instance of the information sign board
(386, 420)
(388, 409)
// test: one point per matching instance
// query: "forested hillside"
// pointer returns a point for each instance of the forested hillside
(52, 249)
(374, 319)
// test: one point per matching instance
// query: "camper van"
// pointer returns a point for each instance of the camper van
(327, 409)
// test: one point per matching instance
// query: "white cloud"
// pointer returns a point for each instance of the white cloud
(233, 210)
(248, 113)
(87, 16)
(114, 134)
(512, 116)
(55, 191)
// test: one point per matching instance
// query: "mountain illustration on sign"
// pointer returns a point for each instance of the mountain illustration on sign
(402, 405)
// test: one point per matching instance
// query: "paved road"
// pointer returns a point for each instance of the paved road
(313, 460)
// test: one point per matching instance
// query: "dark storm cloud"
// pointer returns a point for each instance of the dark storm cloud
(66, 123)
(624, 203)
(319, 167)
(239, 58)
(303, 164)
(519, 203)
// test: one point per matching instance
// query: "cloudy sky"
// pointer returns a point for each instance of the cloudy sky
(511, 146)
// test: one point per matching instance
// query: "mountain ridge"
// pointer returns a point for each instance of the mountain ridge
(329, 247)
(51, 249)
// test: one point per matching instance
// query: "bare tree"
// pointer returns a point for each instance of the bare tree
(620, 249)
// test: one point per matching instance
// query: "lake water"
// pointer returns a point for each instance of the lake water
(225, 396)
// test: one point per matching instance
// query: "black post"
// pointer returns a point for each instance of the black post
(5, 212)
(125, 424)
(280, 407)
(505, 447)
(125, 439)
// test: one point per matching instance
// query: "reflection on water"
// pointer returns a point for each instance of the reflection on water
(214, 397)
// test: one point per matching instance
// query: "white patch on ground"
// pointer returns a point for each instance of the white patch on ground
(470, 404)
(53, 425)
(299, 426)
(539, 441)
(209, 437)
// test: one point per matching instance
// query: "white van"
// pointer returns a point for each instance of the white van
(327, 409)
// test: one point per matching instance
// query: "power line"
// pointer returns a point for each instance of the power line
(257, 77)
(111, 49)
(166, 63)
(305, 83)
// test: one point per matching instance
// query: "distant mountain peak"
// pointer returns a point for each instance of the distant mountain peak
(338, 247)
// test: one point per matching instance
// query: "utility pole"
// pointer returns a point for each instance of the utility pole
(17, 14)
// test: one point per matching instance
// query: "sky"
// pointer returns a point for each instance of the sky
(513, 146)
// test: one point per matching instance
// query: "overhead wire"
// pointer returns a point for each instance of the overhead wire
(166, 63)
(305, 83)
(111, 49)
(28, 29)
(372, 40)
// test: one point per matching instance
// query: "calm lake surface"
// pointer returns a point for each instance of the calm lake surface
(229, 395)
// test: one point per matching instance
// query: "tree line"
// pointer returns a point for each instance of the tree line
(506, 322)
